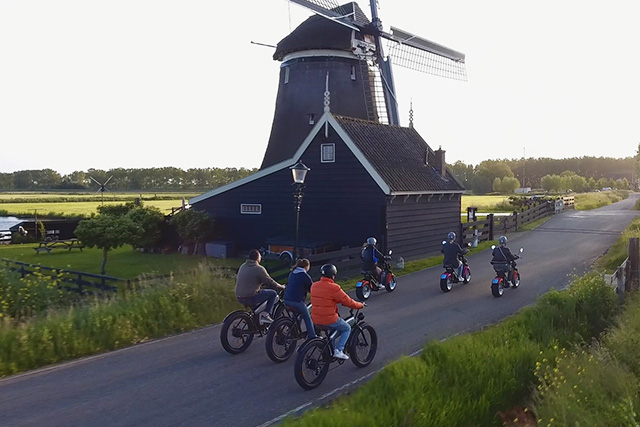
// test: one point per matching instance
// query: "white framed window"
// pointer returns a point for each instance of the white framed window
(250, 209)
(327, 153)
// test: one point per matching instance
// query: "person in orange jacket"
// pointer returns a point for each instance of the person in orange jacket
(325, 297)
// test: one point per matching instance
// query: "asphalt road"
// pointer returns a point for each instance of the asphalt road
(189, 379)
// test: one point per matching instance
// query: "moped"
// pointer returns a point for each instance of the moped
(369, 283)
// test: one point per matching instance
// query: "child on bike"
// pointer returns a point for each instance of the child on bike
(325, 297)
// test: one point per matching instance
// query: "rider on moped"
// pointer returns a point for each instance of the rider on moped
(370, 257)
(325, 297)
(503, 255)
(452, 252)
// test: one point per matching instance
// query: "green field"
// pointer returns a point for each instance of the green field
(82, 204)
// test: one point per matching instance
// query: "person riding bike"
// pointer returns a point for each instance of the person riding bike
(370, 257)
(325, 297)
(452, 252)
(502, 255)
(249, 280)
(295, 294)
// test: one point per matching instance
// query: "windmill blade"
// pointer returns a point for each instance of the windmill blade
(105, 183)
(406, 37)
(332, 10)
(413, 52)
(95, 180)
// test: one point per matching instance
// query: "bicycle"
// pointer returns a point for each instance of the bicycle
(284, 334)
(315, 355)
(239, 327)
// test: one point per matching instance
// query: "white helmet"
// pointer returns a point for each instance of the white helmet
(372, 241)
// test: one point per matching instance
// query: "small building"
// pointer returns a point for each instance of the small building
(366, 179)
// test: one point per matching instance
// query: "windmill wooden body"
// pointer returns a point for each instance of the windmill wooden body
(342, 41)
(336, 112)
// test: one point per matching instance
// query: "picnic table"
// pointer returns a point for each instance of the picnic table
(59, 244)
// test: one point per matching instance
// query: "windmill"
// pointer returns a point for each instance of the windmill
(103, 187)
(341, 40)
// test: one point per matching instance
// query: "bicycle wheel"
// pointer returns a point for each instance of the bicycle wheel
(281, 339)
(236, 334)
(312, 363)
(363, 346)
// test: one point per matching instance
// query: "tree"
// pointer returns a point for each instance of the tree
(510, 184)
(149, 221)
(106, 232)
(552, 183)
(193, 226)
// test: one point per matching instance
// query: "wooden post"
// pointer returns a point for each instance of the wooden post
(634, 253)
(490, 218)
(620, 289)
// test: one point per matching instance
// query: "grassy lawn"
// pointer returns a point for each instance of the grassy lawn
(483, 203)
(123, 262)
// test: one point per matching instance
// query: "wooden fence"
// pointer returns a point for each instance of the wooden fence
(78, 281)
(487, 229)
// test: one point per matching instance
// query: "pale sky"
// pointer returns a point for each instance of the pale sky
(154, 83)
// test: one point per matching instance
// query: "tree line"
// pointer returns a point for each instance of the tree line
(120, 179)
(487, 176)
(577, 174)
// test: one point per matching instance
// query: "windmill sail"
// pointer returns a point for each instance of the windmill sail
(416, 53)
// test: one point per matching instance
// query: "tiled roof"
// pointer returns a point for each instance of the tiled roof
(398, 155)
(318, 32)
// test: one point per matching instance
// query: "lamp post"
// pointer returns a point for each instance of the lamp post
(299, 172)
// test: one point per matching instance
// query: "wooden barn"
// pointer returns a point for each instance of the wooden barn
(336, 112)
(366, 179)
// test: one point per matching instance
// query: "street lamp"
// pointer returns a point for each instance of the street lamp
(299, 172)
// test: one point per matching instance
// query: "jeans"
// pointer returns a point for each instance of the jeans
(304, 312)
(344, 329)
(263, 295)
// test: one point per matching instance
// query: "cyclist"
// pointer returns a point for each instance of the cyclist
(325, 297)
(295, 294)
(452, 250)
(251, 277)
(370, 257)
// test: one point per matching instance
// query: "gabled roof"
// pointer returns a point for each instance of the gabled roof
(400, 156)
(394, 156)
(318, 32)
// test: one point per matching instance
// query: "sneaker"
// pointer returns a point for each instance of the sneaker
(338, 354)
(265, 318)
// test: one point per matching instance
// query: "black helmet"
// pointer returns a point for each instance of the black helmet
(503, 240)
(328, 270)
(451, 236)
(372, 241)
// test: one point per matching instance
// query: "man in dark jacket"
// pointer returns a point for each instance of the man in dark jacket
(251, 276)
(451, 250)
(370, 257)
(503, 256)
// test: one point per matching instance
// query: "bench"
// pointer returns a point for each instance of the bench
(59, 244)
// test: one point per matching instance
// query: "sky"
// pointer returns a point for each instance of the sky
(87, 84)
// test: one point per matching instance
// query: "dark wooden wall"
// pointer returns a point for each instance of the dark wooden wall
(416, 227)
(341, 204)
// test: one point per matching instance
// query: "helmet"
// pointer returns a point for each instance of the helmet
(503, 240)
(451, 236)
(328, 270)
(371, 241)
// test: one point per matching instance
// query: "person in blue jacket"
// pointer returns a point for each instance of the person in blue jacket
(295, 294)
